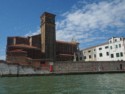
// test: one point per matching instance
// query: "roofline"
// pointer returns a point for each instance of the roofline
(116, 37)
(17, 37)
(23, 36)
(47, 13)
(95, 46)
(35, 35)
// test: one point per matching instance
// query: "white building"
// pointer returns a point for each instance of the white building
(113, 50)
(117, 49)
(102, 52)
(89, 54)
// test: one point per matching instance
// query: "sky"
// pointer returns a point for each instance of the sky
(90, 22)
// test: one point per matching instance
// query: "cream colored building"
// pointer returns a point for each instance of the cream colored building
(89, 54)
(112, 50)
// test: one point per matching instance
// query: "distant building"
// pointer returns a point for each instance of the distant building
(38, 49)
(89, 54)
(113, 50)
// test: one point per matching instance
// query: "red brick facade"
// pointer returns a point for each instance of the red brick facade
(28, 50)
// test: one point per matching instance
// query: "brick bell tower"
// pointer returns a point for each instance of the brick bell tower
(48, 36)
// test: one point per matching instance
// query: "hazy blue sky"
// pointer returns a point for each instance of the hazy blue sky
(91, 22)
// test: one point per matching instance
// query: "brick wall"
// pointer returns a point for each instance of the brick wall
(21, 40)
(36, 41)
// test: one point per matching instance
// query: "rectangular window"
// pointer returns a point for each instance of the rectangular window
(94, 55)
(116, 46)
(120, 38)
(106, 47)
(119, 45)
(100, 54)
(89, 51)
(110, 47)
(107, 53)
(112, 56)
(100, 48)
(117, 54)
(121, 54)
(89, 56)
(84, 57)
(115, 40)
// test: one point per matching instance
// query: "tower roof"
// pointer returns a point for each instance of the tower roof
(47, 13)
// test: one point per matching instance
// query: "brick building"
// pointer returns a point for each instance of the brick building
(38, 49)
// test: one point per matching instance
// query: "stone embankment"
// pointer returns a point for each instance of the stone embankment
(17, 70)
(59, 68)
(89, 67)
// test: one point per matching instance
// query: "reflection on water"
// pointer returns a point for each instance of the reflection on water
(68, 84)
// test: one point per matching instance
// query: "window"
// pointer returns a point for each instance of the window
(121, 54)
(116, 46)
(119, 45)
(106, 47)
(100, 54)
(89, 51)
(80, 58)
(94, 49)
(100, 48)
(107, 53)
(94, 55)
(110, 41)
(110, 47)
(115, 40)
(120, 38)
(89, 56)
(84, 57)
(117, 54)
(112, 56)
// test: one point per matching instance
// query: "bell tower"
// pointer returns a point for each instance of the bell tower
(48, 36)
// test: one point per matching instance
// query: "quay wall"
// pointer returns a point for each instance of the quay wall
(102, 66)
(68, 67)
(14, 69)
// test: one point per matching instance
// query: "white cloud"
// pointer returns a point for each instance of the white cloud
(83, 21)
(91, 21)
(33, 33)
(92, 39)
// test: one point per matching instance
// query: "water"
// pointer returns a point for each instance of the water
(68, 84)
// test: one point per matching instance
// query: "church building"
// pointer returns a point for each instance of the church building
(39, 49)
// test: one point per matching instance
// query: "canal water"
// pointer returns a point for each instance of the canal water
(65, 84)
